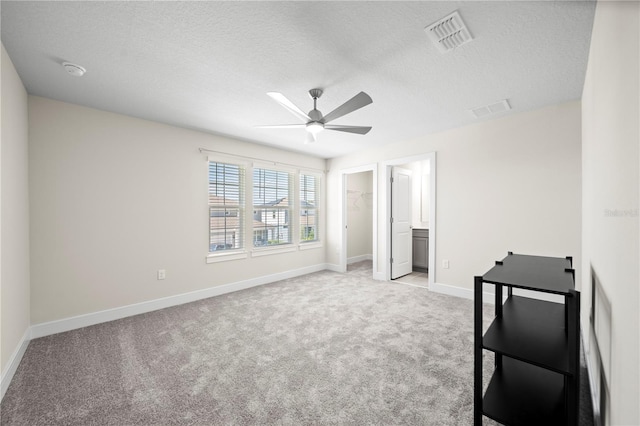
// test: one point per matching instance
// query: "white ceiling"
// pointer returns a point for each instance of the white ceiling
(208, 65)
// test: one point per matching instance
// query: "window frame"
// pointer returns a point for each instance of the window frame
(294, 209)
(318, 178)
(275, 210)
(239, 252)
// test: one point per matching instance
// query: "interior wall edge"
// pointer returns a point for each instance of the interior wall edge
(13, 363)
(15, 277)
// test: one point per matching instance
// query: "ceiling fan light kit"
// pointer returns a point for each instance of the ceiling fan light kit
(315, 122)
(315, 127)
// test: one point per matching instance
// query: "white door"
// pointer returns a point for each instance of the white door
(401, 238)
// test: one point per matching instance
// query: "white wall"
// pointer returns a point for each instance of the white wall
(359, 215)
(115, 198)
(611, 159)
(14, 219)
(511, 183)
(419, 193)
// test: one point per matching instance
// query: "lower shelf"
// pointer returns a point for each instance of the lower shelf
(532, 330)
(524, 394)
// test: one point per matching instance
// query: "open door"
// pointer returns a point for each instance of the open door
(401, 238)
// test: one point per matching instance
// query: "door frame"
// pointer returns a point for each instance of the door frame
(373, 168)
(385, 228)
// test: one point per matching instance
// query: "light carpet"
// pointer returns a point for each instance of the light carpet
(324, 348)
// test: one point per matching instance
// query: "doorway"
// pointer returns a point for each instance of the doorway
(422, 219)
(359, 216)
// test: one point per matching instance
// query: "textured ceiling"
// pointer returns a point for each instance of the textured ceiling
(208, 65)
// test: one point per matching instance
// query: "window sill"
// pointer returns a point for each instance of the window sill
(265, 251)
(273, 250)
(310, 245)
(223, 257)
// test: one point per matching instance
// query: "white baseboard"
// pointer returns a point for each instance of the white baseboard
(489, 297)
(72, 323)
(333, 267)
(379, 276)
(14, 362)
(464, 293)
(360, 258)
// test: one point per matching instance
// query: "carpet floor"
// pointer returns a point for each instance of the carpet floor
(324, 348)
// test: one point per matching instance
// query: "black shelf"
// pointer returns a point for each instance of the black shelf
(540, 402)
(531, 330)
(536, 344)
(538, 273)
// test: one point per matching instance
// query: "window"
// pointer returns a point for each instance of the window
(271, 207)
(265, 207)
(226, 206)
(308, 208)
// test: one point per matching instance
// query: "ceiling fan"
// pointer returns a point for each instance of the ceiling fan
(315, 122)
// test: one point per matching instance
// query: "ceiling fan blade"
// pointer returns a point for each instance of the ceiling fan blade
(287, 104)
(361, 130)
(283, 126)
(358, 101)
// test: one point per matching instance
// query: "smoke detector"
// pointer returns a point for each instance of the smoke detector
(494, 108)
(73, 69)
(449, 32)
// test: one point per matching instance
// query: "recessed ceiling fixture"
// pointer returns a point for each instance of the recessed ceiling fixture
(491, 109)
(73, 69)
(449, 32)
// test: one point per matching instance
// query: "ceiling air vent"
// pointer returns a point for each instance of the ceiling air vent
(491, 109)
(449, 33)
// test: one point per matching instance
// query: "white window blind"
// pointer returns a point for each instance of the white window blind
(309, 185)
(272, 207)
(226, 206)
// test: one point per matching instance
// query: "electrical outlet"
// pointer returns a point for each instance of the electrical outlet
(162, 274)
(445, 264)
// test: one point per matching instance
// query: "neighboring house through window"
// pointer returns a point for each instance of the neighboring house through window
(282, 209)
(271, 207)
(226, 206)
(308, 207)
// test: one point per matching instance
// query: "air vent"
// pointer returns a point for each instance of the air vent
(449, 32)
(491, 109)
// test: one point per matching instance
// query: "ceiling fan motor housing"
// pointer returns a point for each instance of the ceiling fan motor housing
(315, 115)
